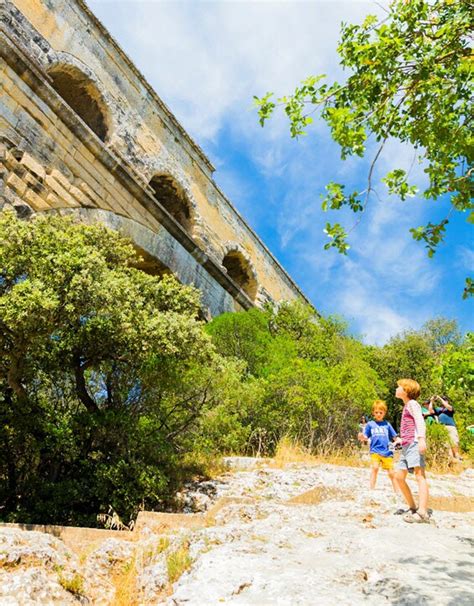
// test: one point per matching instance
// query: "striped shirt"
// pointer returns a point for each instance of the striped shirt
(412, 425)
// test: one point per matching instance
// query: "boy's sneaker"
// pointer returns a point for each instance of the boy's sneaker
(417, 518)
(402, 511)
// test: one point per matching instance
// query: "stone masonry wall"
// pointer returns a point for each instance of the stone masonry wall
(52, 160)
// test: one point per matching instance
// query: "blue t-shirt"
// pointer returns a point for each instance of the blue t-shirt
(381, 433)
(445, 416)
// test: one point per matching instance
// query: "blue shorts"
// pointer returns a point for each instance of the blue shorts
(411, 458)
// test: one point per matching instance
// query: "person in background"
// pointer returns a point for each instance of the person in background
(445, 414)
(362, 423)
(429, 417)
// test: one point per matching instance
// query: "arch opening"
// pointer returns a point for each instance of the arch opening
(82, 96)
(240, 271)
(170, 196)
(149, 264)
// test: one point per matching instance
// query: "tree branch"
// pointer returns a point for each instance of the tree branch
(81, 386)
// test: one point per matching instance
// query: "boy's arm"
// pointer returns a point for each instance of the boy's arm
(392, 434)
(365, 435)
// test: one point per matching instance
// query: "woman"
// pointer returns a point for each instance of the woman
(445, 414)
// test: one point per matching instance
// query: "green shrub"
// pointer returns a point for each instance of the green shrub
(438, 449)
(74, 584)
(310, 381)
(105, 373)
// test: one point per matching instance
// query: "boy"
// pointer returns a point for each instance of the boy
(413, 440)
(379, 434)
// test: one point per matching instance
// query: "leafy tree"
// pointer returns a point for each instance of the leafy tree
(454, 376)
(226, 424)
(408, 356)
(410, 79)
(311, 381)
(105, 372)
(440, 333)
(242, 335)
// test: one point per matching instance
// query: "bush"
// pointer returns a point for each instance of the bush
(438, 448)
(105, 374)
(455, 377)
(311, 382)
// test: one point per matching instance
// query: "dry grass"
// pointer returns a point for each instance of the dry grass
(289, 451)
(448, 466)
(74, 584)
(344, 458)
(162, 545)
(205, 465)
(178, 561)
(214, 467)
(124, 580)
(22, 560)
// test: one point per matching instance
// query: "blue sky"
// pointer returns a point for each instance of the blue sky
(206, 60)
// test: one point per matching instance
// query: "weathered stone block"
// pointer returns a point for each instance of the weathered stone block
(82, 198)
(35, 201)
(54, 201)
(59, 190)
(56, 174)
(33, 166)
(16, 183)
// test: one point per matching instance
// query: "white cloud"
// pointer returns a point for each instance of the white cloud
(386, 283)
(465, 257)
(380, 297)
(375, 317)
(376, 309)
(207, 59)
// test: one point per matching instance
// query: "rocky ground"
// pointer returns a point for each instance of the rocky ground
(302, 535)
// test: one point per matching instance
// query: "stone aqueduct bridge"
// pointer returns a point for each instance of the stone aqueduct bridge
(81, 131)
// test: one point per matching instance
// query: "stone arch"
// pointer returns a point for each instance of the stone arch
(80, 91)
(240, 269)
(161, 255)
(172, 197)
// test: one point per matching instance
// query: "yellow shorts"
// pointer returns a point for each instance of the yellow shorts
(386, 462)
